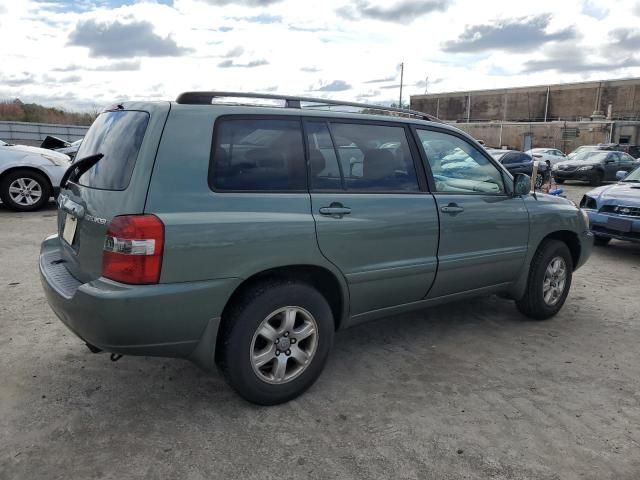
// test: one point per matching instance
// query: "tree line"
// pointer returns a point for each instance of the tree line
(17, 111)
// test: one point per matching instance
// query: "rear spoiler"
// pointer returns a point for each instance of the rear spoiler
(51, 143)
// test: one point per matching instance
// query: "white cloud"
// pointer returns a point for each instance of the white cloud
(290, 46)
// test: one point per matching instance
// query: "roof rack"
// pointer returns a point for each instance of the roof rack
(206, 98)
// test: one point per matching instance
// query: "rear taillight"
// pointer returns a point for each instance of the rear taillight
(133, 249)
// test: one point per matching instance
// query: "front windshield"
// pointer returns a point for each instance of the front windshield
(581, 150)
(590, 155)
(633, 176)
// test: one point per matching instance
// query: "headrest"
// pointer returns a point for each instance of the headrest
(265, 157)
(379, 163)
(317, 162)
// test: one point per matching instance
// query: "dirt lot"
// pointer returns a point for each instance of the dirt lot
(464, 391)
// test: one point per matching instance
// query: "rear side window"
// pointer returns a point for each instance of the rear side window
(258, 155)
(118, 136)
(324, 169)
(374, 158)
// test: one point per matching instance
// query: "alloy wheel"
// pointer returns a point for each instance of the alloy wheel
(284, 345)
(555, 279)
(25, 191)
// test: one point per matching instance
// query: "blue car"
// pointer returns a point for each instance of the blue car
(614, 210)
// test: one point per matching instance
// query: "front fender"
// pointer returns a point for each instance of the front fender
(552, 216)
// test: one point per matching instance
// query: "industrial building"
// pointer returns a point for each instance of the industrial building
(563, 116)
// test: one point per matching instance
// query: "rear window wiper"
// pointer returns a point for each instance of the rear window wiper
(78, 167)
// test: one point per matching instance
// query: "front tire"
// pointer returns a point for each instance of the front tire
(549, 281)
(276, 338)
(596, 179)
(25, 190)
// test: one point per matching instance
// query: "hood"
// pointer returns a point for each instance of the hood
(577, 163)
(627, 192)
(555, 199)
(36, 151)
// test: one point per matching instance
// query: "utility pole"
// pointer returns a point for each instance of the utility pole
(401, 81)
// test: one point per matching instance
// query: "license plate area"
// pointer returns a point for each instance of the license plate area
(619, 224)
(69, 228)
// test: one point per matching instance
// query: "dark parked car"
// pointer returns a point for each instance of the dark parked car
(614, 210)
(594, 166)
(633, 150)
(520, 162)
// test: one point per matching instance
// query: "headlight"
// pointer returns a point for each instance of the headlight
(588, 202)
(56, 160)
(587, 167)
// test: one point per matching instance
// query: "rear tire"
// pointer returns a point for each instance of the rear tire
(596, 179)
(601, 241)
(25, 190)
(549, 281)
(271, 316)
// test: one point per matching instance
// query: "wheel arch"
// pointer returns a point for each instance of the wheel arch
(572, 241)
(568, 237)
(332, 287)
(28, 168)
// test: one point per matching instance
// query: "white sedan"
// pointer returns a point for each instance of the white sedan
(552, 154)
(29, 176)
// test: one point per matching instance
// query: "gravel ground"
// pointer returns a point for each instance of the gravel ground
(471, 390)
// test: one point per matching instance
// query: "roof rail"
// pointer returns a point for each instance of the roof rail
(206, 98)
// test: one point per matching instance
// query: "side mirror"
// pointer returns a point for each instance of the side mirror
(521, 184)
(620, 174)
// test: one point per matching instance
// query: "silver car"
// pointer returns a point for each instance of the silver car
(29, 176)
(552, 154)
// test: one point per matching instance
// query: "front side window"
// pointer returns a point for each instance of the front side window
(258, 155)
(457, 166)
(374, 158)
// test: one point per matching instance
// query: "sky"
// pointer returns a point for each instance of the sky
(86, 54)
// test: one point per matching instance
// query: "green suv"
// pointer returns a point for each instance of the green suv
(244, 236)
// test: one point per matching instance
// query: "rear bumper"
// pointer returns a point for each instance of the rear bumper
(601, 227)
(162, 320)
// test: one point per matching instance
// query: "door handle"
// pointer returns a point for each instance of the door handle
(335, 210)
(452, 208)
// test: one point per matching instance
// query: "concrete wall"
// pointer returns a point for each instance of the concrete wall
(25, 133)
(565, 136)
(571, 102)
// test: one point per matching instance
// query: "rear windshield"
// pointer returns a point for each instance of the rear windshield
(118, 136)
